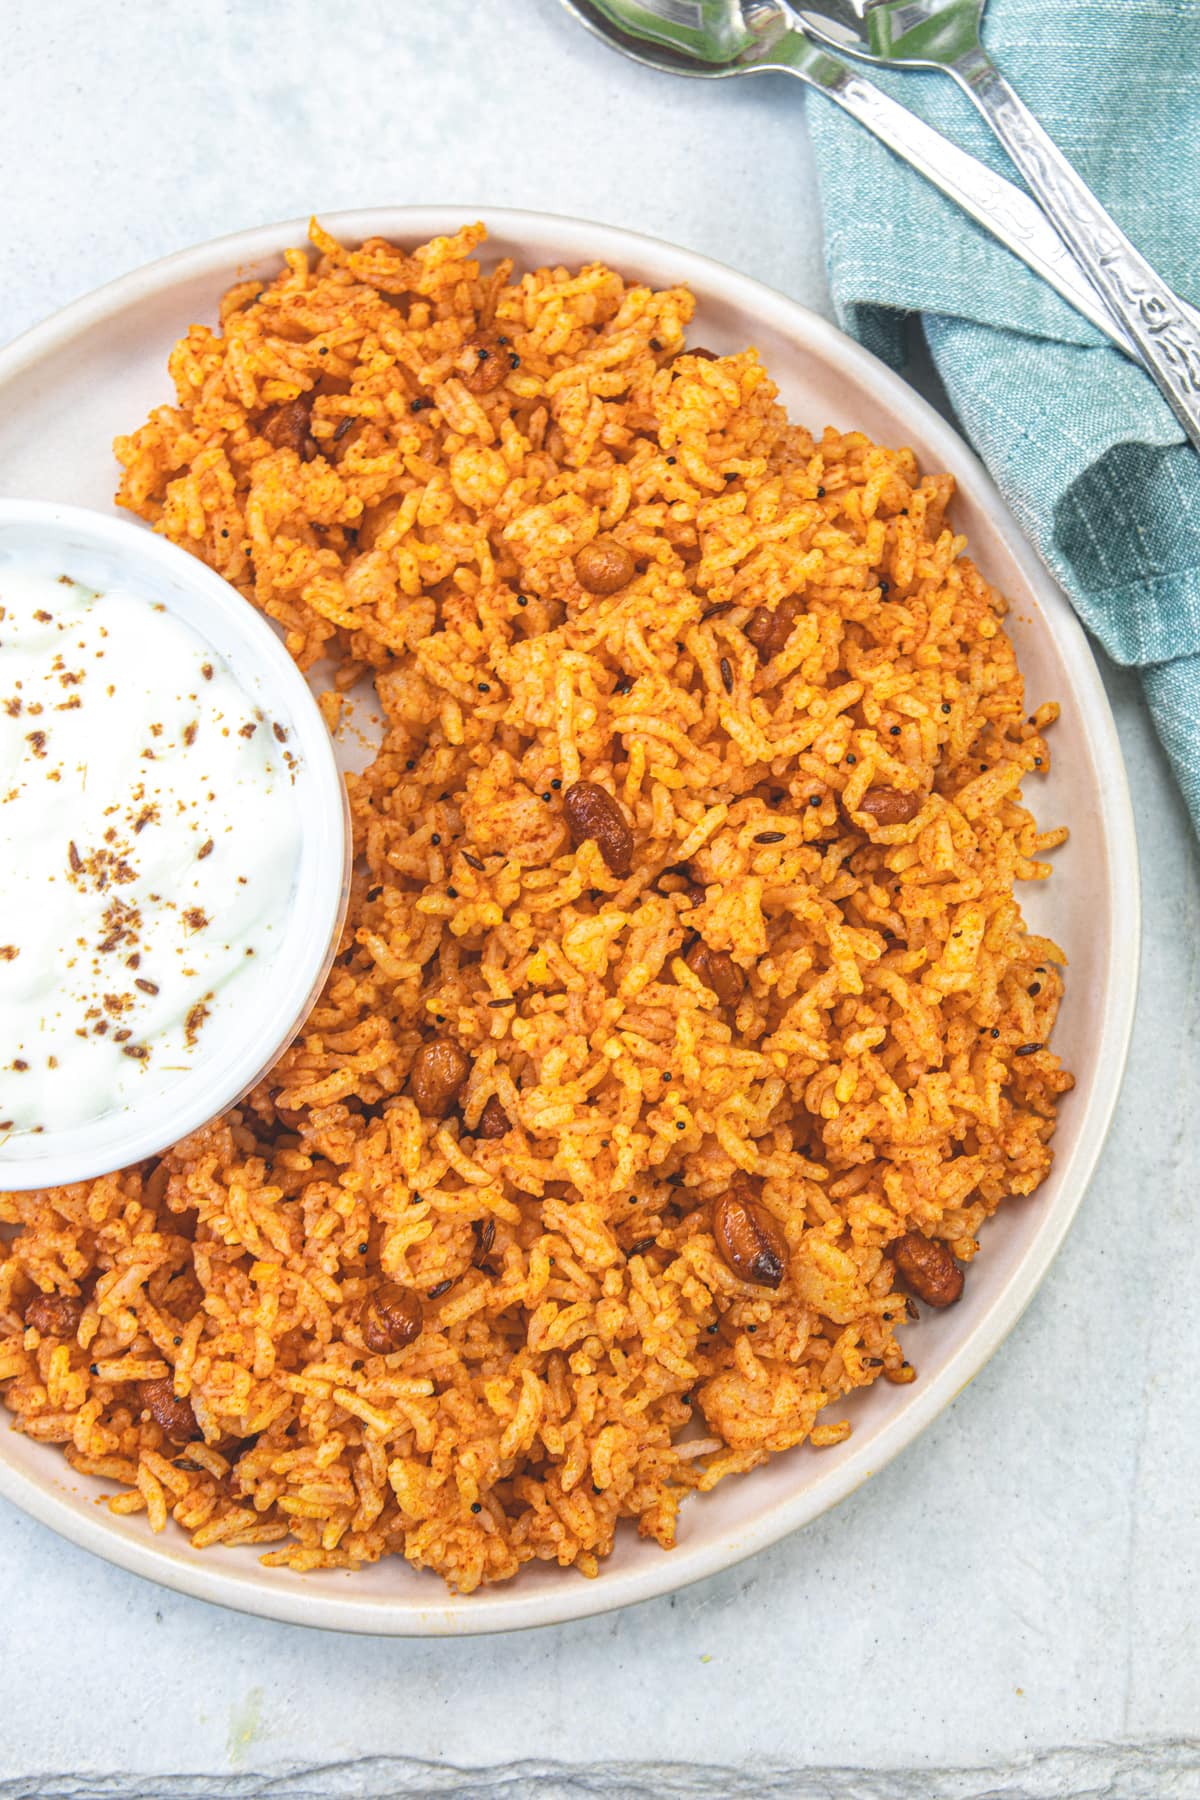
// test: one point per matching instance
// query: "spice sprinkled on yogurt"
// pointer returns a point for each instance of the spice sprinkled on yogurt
(150, 838)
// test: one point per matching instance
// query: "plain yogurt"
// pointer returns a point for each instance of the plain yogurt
(150, 839)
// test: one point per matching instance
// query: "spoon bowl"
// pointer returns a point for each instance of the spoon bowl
(731, 46)
(918, 34)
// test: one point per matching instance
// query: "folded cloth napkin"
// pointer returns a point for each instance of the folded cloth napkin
(1077, 438)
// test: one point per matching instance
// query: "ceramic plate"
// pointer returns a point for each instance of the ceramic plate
(70, 385)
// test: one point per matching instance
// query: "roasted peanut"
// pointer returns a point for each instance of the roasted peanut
(493, 1120)
(491, 363)
(718, 971)
(769, 631)
(289, 427)
(591, 812)
(390, 1319)
(172, 1415)
(749, 1239)
(438, 1072)
(604, 566)
(54, 1315)
(927, 1267)
(888, 806)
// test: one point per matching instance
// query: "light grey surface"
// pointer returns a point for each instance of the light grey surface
(1009, 1609)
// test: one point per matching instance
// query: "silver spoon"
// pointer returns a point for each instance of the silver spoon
(716, 39)
(944, 34)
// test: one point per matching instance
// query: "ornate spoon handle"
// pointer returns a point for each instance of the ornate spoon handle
(1168, 341)
(998, 205)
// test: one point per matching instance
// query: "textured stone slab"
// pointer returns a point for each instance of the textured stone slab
(1163, 1771)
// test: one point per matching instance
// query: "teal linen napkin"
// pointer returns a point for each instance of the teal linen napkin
(1077, 438)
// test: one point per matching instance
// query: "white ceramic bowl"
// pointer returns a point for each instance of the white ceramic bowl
(101, 551)
(69, 385)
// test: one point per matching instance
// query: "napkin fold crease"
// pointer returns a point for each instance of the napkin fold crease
(1077, 438)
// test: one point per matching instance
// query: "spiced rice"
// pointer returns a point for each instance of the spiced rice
(483, 1321)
